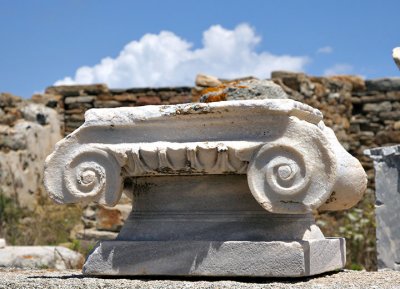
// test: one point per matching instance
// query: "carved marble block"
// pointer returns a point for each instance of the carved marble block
(387, 205)
(218, 189)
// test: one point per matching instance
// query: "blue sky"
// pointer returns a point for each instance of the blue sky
(122, 43)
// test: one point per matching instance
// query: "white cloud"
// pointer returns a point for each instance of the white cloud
(340, 68)
(165, 59)
(325, 50)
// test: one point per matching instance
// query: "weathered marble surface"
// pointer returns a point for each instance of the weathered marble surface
(293, 162)
(213, 258)
(39, 257)
(24, 146)
(212, 185)
(243, 89)
(387, 205)
(208, 208)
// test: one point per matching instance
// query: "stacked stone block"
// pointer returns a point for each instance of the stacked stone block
(73, 101)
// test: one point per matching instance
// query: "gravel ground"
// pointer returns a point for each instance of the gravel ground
(13, 278)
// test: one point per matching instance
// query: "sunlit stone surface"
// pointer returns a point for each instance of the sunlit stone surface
(218, 189)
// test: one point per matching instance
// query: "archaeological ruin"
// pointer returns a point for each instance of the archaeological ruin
(362, 113)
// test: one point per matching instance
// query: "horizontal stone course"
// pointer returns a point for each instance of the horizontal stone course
(70, 101)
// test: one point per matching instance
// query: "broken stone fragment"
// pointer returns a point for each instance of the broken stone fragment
(28, 133)
(396, 56)
(357, 83)
(250, 89)
(204, 80)
(95, 235)
(39, 257)
(112, 219)
(383, 84)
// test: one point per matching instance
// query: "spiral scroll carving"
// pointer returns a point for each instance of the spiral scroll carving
(286, 172)
(288, 177)
(93, 174)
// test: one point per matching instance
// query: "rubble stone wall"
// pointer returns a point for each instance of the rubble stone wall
(71, 102)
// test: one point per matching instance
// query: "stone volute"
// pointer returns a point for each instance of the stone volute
(218, 189)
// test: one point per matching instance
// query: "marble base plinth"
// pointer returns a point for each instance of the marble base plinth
(203, 258)
(212, 226)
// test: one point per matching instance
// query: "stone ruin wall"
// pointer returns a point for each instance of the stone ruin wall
(28, 133)
(71, 102)
(363, 114)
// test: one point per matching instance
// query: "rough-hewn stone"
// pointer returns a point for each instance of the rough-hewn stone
(24, 145)
(383, 84)
(87, 98)
(9, 100)
(76, 90)
(250, 89)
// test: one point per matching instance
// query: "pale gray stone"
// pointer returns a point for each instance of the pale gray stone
(213, 258)
(75, 99)
(378, 107)
(2, 243)
(193, 139)
(51, 257)
(94, 235)
(217, 208)
(212, 226)
(29, 142)
(37, 113)
(387, 205)
(248, 89)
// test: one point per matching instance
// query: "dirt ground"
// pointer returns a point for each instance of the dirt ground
(14, 278)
